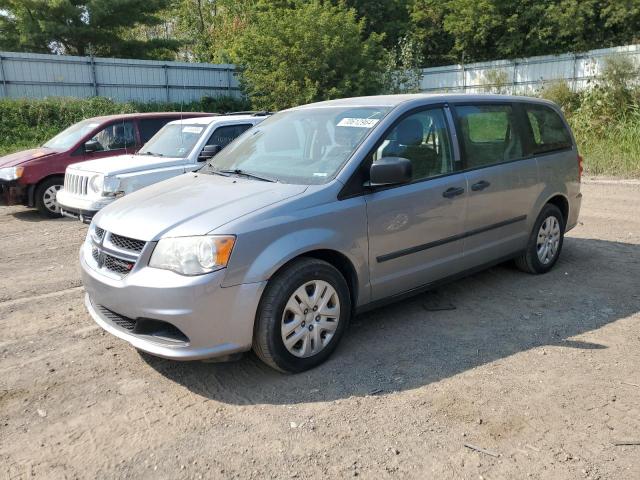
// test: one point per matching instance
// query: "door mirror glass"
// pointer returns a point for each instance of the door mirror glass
(92, 146)
(390, 171)
(209, 151)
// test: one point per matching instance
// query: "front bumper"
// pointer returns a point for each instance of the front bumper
(12, 193)
(215, 321)
(81, 208)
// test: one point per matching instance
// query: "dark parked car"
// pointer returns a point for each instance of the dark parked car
(33, 177)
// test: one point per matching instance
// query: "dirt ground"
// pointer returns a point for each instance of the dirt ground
(541, 372)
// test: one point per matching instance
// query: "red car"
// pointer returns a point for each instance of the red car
(33, 177)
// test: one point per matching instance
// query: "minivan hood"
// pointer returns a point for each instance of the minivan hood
(190, 204)
(24, 156)
(123, 164)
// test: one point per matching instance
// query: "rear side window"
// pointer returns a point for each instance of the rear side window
(225, 135)
(489, 134)
(549, 131)
(149, 127)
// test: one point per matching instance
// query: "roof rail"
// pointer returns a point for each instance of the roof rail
(255, 113)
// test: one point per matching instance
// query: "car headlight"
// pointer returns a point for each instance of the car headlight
(111, 185)
(11, 173)
(193, 255)
(96, 183)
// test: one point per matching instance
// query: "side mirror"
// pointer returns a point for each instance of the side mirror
(209, 151)
(390, 171)
(91, 146)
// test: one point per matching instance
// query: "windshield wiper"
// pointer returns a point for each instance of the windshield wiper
(244, 173)
(153, 154)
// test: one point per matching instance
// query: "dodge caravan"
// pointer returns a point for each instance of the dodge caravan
(326, 210)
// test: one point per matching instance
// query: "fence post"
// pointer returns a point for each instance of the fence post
(575, 73)
(229, 82)
(4, 79)
(165, 67)
(515, 76)
(93, 75)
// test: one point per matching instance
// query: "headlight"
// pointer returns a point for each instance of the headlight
(193, 255)
(11, 173)
(110, 185)
(96, 183)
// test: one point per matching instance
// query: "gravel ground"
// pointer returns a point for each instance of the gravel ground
(540, 372)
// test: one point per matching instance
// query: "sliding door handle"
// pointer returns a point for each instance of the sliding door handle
(453, 192)
(481, 185)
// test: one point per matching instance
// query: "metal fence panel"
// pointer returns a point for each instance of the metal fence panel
(524, 76)
(31, 75)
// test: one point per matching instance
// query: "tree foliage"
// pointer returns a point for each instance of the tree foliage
(98, 27)
(302, 52)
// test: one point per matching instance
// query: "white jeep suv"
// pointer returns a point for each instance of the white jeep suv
(180, 146)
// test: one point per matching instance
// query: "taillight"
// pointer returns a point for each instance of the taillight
(580, 168)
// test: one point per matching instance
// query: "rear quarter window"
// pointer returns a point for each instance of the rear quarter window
(549, 133)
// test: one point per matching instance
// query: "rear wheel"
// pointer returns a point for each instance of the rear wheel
(302, 316)
(45, 197)
(545, 242)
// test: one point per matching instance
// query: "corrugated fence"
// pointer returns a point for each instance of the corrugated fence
(522, 76)
(39, 75)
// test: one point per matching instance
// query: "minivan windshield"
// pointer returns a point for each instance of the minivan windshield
(72, 135)
(306, 146)
(173, 140)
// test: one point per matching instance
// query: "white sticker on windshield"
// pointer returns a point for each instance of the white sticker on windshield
(192, 129)
(358, 122)
(320, 174)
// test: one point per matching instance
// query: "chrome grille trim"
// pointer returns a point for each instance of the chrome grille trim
(114, 255)
(76, 184)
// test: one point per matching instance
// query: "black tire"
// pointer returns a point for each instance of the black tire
(267, 337)
(43, 197)
(529, 261)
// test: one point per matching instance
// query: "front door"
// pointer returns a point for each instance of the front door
(415, 230)
(117, 138)
(502, 181)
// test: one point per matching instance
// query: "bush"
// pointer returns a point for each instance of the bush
(560, 93)
(28, 123)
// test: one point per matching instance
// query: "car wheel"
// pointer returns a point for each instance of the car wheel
(545, 242)
(302, 316)
(45, 197)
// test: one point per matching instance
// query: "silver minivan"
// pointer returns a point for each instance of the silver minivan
(326, 210)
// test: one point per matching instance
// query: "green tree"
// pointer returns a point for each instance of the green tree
(305, 52)
(427, 30)
(98, 27)
(389, 17)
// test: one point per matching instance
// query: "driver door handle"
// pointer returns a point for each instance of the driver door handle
(453, 192)
(481, 185)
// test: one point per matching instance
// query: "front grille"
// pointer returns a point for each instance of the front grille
(115, 255)
(76, 184)
(120, 320)
(117, 265)
(127, 243)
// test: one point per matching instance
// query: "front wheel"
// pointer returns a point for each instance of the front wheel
(545, 242)
(302, 316)
(45, 197)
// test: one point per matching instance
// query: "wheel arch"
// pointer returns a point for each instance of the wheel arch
(562, 203)
(336, 259)
(34, 186)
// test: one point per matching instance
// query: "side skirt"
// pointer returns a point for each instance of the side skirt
(430, 286)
